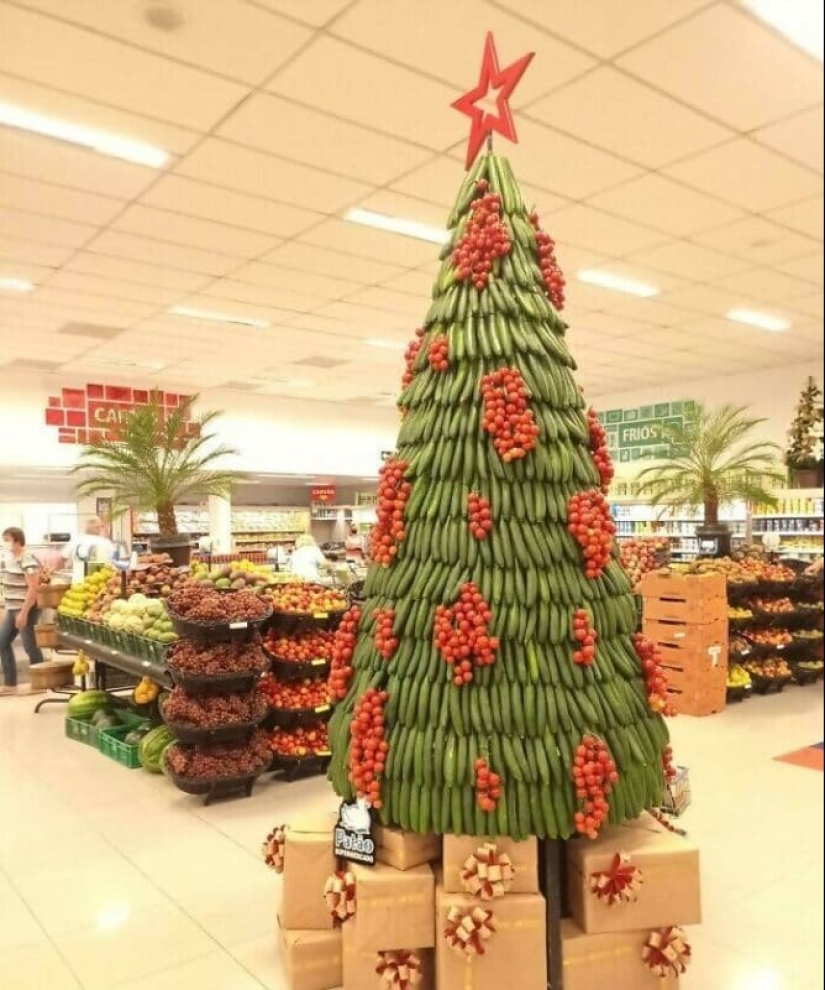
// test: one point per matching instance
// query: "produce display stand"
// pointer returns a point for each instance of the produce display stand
(109, 656)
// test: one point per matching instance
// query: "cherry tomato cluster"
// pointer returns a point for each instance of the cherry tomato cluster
(668, 765)
(310, 740)
(300, 647)
(553, 279)
(651, 658)
(481, 520)
(598, 448)
(590, 521)
(393, 492)
(508, 417)
(368, 753)
(308, 693)
(594, 774)
(410, 356)
(439, 353)
(485, 238)
(586, 636)
(488, 786)
(461, 634)
(386, 642)
(343, 647)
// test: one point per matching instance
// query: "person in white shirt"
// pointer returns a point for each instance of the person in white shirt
(93, 545)
(307, 560)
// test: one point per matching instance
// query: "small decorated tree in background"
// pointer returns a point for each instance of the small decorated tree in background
(805, 444)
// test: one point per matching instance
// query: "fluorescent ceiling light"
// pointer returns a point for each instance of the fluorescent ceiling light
(87, 137)
(213, 317)
(15, 285)
(800, 21)
(617, 283)
(761, 320)
(397, 225)
(390, 345)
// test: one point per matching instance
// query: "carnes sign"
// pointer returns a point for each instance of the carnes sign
(90, 414)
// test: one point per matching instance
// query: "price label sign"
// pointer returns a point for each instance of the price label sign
(238, 625)
(317, 663)
(321, 709)
(321, 615)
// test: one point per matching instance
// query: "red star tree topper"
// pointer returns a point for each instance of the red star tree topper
(500, 81)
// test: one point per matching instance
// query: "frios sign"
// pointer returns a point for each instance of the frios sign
(633, 434)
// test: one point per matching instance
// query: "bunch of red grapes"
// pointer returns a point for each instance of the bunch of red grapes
(439, 353)
(369, 749)
(462, 636)
(410, 356)
(211, 711)
(655, 680)
(586, 636)
(393, 492)
(218, 760)
(488, 786)
(551, 273)
(217, 658)
(590, 522)
(481, 520)
(598, 448)
(200, 604)
(485, 239)
(594, 774)
(386, 642)
(343, 647)
(507, 414)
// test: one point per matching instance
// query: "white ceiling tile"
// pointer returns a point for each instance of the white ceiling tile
(396, 204)
(717, 61)
(82, 62)
(260, 295)
(706, 299)
(438, 181)
(758, 240)
(368, 242)
(414, 283)
(319, 139)
(621, 308)
(120, 245)
(800, 137)
(23, 270)
(118, 269)
(373, 92)
(810, 304)
(56, 201)
(112, 306)
(364, 320)
(806, 216)
(200, 199)
(316, 12)
(668, 206)
(628, 118)
(745, 173)
(584, 227)
(30, 252)
(73, 281)
(809, 267)
(46, 230)
(326, 259)
(393, 302)
(690, 261)
(278, 277)
(403, 31)
(229, 37)
(765, 284)
(602, 26)
(226, 164)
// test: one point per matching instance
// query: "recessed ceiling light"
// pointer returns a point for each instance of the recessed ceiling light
(390, 345)
(212, 317)
(397, 225)
(87, 137)
(617, 283)
(800, 21)
(15, 285)
(761, 320)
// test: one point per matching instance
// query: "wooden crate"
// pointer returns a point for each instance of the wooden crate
(51, 674)
(699, 696)
(695, 598)
(701, 639)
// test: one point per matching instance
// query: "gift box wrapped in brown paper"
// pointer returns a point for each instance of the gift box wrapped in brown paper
(515, 955)
(394, 907)
(312, 960)
(361, 966)
(650, 874)
(608, 961)
(308, 863)
(405, 850)
(524, 857)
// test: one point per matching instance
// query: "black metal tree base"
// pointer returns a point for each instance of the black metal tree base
(552, 878)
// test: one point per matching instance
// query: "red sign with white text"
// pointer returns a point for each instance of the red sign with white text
(323, 493)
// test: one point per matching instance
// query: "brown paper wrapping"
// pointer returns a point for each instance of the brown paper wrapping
(405, 850)
(670, 891)
(312, 960)
(516, 955)
(308, 862)
(614, 961)
(395, 908)
(360, 964)
(523, 855)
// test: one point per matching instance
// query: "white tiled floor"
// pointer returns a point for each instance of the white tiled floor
(111, 879)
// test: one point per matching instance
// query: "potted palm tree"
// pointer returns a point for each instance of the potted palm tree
(714, 460)
(156, 458)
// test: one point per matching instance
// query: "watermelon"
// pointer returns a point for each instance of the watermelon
(152, 746)
(85, 704)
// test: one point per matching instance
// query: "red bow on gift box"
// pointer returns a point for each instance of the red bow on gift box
(619, 884)
(487, 873)
(399, 970)
(273, 849)
(467, 931)
(667, 952)
(339, 893)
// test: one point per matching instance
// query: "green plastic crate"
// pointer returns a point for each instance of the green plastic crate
(81, 731)
(110, 743)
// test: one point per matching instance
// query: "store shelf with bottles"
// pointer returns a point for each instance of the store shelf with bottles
(797, 521)
(253, 527)
(637, 518)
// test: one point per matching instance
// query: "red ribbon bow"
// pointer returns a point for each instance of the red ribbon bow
(467, 931)
(273, 849)
(619, 884)
(667, 952)
(339, 893)
(487, 874)
(399, 970)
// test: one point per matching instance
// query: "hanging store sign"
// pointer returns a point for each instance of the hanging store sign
(325, 494)
(640, 432)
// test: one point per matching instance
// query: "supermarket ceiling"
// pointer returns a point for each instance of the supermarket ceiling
(675, 143)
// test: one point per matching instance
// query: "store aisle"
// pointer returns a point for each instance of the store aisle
(111, 879)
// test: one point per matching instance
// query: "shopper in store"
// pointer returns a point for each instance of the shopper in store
(93, 545)
(307, 560)
(354, 543)
(19, 579)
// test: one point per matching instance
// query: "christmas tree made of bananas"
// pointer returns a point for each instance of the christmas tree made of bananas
(492, 682)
